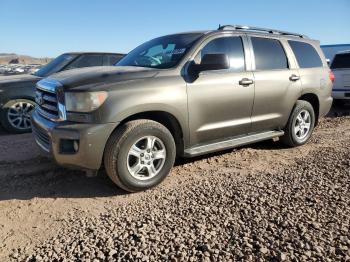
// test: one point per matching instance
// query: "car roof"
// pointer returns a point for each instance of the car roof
(343, 52)
(92, 53)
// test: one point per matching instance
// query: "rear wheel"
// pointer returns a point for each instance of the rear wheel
(300, 124)
(139, 155)
(15, 115)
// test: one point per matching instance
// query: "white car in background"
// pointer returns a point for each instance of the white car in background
(341, 69)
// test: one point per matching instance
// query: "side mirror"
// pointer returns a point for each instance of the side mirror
(213, 62)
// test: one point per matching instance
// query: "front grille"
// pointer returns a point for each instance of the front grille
(48, 100)
(41, 137)
(47, 103)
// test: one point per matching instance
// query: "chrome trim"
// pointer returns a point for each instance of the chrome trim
(62, 113)
(48, 85)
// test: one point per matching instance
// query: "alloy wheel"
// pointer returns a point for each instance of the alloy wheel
(146, 157)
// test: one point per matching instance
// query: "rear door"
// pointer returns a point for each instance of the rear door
(341, 69)
(277, 83)
(219, 106)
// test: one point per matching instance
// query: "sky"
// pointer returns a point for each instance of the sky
(47, 28)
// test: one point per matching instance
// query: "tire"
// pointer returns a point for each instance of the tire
(15, 116)
(291, 135)
(120, 162)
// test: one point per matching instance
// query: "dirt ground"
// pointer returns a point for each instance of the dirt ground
(40, 202)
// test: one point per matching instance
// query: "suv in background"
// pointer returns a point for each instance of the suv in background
(183, 95)
(341, 69)
(17, 93)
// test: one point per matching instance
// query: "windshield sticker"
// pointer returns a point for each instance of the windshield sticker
(177, 51)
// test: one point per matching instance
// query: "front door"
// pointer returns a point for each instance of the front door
(219, 102)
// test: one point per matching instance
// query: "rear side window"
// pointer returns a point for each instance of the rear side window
(231, 46)
(341, 61)
(269, 54)
(305, 54)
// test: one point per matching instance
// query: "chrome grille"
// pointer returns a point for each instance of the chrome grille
(48, 101)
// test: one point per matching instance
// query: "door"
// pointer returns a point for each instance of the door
(277, 84)
(219, 103)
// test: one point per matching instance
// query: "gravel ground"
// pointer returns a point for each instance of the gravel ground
(262, 202)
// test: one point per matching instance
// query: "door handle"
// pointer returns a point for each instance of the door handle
(294, 78)
(246, 82)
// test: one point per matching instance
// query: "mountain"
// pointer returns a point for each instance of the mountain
(7, 58)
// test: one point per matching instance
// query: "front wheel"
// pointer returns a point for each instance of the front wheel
(139, 155)
(15, 115)
(300, 124)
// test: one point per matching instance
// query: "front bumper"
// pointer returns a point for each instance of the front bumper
(341, 94)
(91, 139)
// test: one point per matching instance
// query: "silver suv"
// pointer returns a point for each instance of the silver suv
(183, 95)
(341, 68)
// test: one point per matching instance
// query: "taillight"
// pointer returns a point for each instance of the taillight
(331, 76)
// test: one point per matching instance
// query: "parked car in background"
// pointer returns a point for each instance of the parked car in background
(331, 50)
(341, 69)
(17, 93)
(183, 95)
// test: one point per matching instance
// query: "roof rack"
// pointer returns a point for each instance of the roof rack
(259, 29)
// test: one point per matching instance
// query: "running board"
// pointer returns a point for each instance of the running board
(235, 142)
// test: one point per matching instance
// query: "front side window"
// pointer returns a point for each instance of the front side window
(231, 46)
(163, 52)
(341, 61)
(305, 54)
(269, 54)
(86, 61)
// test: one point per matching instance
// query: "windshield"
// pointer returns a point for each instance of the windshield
(55, 65)
(163, 52)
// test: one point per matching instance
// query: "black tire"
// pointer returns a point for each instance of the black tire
(11, 126)
(290, 138)
(119, 144)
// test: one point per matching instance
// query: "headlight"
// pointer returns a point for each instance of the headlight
(84, 101)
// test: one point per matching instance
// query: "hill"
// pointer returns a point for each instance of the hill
(6, 58)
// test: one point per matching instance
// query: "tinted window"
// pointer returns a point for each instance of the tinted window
(112, 59)
(269, 54)
(162, 52)
(86, 61)
(341, 61)
(305, 54)
(231, 46)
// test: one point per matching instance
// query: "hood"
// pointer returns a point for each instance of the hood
(102, 74)
(18, 78)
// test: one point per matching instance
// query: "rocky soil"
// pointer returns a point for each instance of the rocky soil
(260, 202)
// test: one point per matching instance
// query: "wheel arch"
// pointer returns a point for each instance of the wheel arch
(165, 118)
(314, 101)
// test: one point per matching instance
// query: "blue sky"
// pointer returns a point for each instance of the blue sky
(49, 28)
